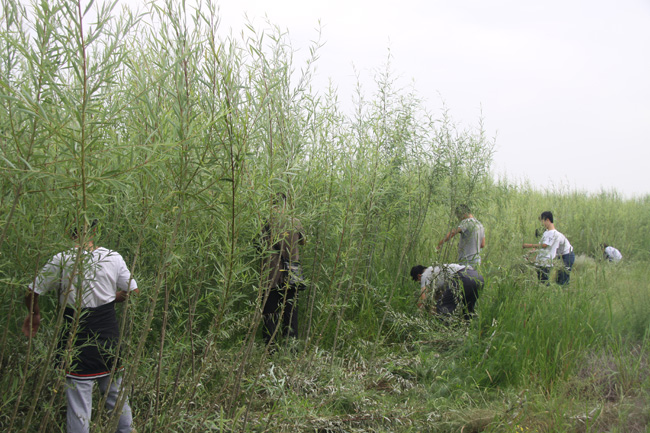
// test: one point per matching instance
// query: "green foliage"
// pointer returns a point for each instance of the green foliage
(177, 138)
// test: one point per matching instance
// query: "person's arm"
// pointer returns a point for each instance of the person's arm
(423, 297)
(449, 235)
(483, 242)
(125, 283)
(535, 246)
(123, 295)
(33, 319)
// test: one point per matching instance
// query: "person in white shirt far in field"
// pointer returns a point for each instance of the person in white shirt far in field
(547, 247)
(612, 254)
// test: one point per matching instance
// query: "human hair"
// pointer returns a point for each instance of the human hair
(462, 210)
(76, 231)
(547, 215)
(416, 271)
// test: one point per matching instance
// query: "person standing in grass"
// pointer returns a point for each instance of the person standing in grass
(451, 285)
(472, 237)
(547, 247)
(281, 268)
(565, 251)
(90, 280)
(611, 254)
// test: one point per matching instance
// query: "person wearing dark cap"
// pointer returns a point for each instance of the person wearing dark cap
(90, 280)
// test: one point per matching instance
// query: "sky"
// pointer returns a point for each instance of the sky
(563, 85)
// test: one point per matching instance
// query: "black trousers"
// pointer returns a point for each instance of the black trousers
(464, 285)
(281, 313)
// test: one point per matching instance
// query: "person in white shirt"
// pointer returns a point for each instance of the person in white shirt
(449, 285)
(90, 280)
(547, 247)
(612, 254)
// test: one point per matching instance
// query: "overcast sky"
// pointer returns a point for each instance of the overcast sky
(563, 84)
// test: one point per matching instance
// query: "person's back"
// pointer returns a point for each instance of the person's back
(104, 274)
(283, 235)
(472, 234)
(612, 254)
(448, 285)
(564, 247)
(472, 237)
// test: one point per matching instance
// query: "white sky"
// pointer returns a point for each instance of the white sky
(564, 84)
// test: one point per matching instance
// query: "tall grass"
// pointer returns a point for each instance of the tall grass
(177, 137)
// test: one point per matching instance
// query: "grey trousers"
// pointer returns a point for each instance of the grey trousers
(80, 401)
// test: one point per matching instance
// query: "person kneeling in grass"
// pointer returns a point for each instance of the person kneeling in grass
(451, 285)
(611, 254)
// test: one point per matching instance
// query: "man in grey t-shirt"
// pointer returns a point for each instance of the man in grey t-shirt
(472, 237)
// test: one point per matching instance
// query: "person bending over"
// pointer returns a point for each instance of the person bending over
(611, 254)
(449, 286)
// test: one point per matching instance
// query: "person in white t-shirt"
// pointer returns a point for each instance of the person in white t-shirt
(612, 254)
(547, 247)
(90, 280)
(449, 285)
